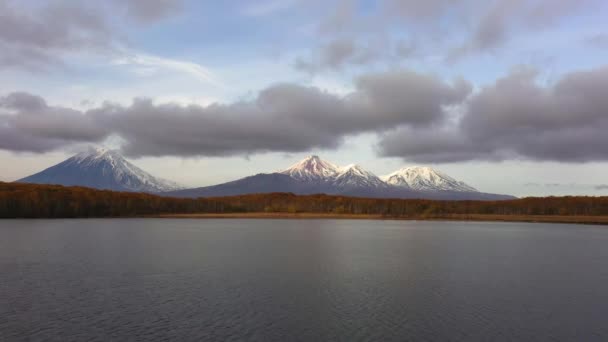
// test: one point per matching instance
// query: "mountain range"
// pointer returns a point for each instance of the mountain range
(107, 169)
(315, 175)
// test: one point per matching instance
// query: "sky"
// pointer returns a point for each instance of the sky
(506, 95)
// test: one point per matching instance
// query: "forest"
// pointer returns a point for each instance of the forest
(55, 201)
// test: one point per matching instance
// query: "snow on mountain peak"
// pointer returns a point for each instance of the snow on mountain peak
(312, 168)
(355, 175)
(425, 178)
(356, 170)
(103, 169)
(316, 169)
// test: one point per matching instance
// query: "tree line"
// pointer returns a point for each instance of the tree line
(55, 201)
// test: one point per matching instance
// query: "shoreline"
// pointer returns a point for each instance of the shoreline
(591, 220)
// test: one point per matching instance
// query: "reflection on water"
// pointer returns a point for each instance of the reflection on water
(301, 280)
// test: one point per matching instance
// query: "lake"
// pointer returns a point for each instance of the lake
(301, 280)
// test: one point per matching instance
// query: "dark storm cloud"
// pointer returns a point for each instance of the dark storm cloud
(518, 118)
(283, 118)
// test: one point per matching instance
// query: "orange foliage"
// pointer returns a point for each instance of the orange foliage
(54, 201)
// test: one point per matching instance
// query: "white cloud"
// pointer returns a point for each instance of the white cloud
(202, 101)
(146, 64)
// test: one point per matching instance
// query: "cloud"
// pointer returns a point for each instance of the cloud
(23, 102)
(599, 40)
(448, 29)
(37, 37)
(601, 187)
(31, 59)
(27, 123)
(34, 38)
(56, 25)
(421, 96)
(406, 49)
(418, 117)
(432, 145)
(337, 54)
(150, 61)
(518, 118)
(421, 11)
(15, 141)
(342, 18)
(505, 18)
(148, 11)
(282, 118)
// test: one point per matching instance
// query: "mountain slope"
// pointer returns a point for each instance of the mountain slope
(312, 169)
(101, 169)
(316, 170)
(277, 182)
(314, 175)
(426, 179)
(355, 176)
(257, 184)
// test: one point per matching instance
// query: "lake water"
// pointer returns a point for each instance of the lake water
(301, 280)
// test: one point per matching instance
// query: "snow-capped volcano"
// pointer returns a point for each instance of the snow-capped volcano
(312, 168)
(315, 169)
(425, 178)
(355, 176)
(313, 175)
(102, 169)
